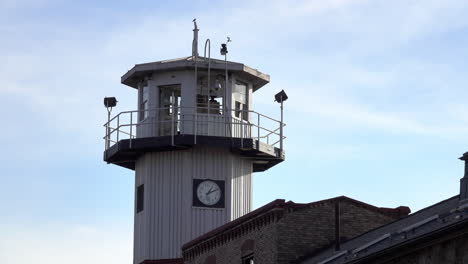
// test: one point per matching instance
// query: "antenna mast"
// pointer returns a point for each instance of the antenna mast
(195, 39)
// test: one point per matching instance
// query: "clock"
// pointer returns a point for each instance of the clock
(208, 193)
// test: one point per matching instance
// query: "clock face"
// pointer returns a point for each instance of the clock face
(208, 192)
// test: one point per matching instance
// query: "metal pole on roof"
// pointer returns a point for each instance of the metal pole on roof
(195, 58)
(464, 180)
(281, 127)
(108, 127)
(208, 43)
(195, 39)
(227, 115)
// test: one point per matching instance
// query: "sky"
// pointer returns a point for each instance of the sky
(376, 111)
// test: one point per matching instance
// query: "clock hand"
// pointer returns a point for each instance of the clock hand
(209, 191)
(212, 191)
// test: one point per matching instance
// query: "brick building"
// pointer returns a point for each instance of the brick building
(340, 231)
(280, 231)
(194, 162)
(436, 234)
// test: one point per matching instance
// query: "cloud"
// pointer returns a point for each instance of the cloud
(336, 112)
(344, 69)
(347, 66)
(79, 244)
(17, 4)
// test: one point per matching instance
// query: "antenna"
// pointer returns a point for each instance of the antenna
(195, 56)
(195, 39)
(224, 51)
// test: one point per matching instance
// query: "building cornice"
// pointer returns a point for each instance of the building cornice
(266, 215)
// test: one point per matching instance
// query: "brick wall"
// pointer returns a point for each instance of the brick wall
(356, 220)
(264, 246)
(300, 230)
(307, 231)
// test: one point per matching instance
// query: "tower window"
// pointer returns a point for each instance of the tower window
(245, 112)
(240, 95)
(241, 110)
(238, 109)
(144, 96)
(140, 198)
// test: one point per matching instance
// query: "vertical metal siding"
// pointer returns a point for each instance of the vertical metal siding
(168, 219)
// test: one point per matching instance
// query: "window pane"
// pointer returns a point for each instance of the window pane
(145, 93)
(238, 108)
(240, 88)
(144, 97)
(245, 113)
(240, 92)
(143, 107)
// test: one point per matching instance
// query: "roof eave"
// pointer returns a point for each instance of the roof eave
(132, 77)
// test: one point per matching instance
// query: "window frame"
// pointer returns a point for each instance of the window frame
(143, 101)
(238, 109)
(140, 198)
(242, 111)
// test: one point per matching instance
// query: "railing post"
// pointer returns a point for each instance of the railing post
(182, 123)
(118, 127)
(196, 126)
(131, 126)
(242, 129)
(225, 122)
(108, 130)
(172, 125)
(106, 140)
(258, 131)
(281, 129)
(208, 118)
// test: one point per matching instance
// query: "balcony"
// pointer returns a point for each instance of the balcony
(249, 133)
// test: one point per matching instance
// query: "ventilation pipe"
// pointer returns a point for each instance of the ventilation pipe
(464, 180)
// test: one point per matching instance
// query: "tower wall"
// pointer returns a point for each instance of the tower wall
(168, 219)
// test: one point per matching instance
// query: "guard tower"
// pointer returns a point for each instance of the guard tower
(194, 142)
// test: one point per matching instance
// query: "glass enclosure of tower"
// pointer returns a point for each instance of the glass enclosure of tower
(176, 106)
(179, 101)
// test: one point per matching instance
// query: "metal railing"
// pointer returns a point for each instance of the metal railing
(196, 121)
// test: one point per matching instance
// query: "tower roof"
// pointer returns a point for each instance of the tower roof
(138, 71)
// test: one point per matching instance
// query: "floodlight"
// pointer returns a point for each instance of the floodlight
(281, 97)
(110, 102)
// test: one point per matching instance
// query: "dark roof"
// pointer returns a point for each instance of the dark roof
(399, 232)
(281, 204)
(134, 75)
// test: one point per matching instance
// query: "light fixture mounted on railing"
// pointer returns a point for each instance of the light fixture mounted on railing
(280, 98)
(109, 102)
